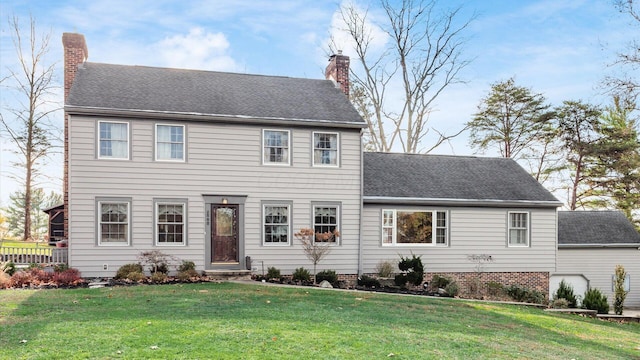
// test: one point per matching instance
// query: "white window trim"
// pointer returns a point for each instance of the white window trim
(184, 143)
(434, 214)
(128, 141)
(313, 149)
(99, 222)
(338, 221)
(509, 244)
(290, 146)
(276, 204)
(184, 223)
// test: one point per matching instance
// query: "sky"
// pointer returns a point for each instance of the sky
(561, 49)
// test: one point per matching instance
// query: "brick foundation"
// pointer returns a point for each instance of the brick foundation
(470, 281)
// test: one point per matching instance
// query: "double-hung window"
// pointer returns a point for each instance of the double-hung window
(276, 224)
(414, 227)
(170, 223)
(276, 149)
(325, 149)
(326, 220)
(114, 222)
(518, 229)
(113, 140)
(170, 142)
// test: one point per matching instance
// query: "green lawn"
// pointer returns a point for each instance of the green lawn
(245, 321)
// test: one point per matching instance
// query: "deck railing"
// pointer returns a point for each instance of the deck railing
(30, 255)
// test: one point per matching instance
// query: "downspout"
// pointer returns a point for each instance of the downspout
(361, 204)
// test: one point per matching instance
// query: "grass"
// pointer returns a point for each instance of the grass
(9, 247)
(245, 321)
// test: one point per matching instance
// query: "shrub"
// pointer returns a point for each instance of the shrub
(439, 282)
(594, 299)
(619, 294)
(328, 275)
(67, 277)
(158, 277)
(301, 274)
(187, 266)
(5, 280)
(494, 288)
(559, 304)
(522, 294)
(38, 275)
(20, 279)
(565, 291)
(60, 267)
(412, 271)
(135, 276)
(126, 269)
(8, 268)
(156, 260)
(385, 269)
(273, 273)
(368, 281)
(452, 289)
(187, 275)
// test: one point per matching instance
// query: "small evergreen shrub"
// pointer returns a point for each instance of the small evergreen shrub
(135, 276)
(368, 281)
(301, 274)
(594, 299)
(565, 291)
(58, 268)
(187, 266)
(412, 271)
(186, 275)
(8, 268)
(619, 294)
(522, 294)
(328, 275)
(452, 289)
(385, 269)
(273, 273)
(439, 282)
(126, 269)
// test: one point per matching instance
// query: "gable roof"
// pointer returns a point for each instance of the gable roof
(596, 229)
(206, 95)
(450, 180)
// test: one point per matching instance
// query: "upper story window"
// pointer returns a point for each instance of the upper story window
(518, 229)
(113, 222)
(170, 142)
(325, 149)
(113, 140)
(276, 149)
(276, 224)
(326, 220)
(170, 223)
(401, 227)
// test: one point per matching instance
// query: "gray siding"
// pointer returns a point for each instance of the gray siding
(221, 159)
(473, 231)
(598, 265)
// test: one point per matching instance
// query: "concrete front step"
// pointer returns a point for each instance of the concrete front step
(228, 274)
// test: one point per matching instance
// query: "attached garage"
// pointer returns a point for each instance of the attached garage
(590, 245)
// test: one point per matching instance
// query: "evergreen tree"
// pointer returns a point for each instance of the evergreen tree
(38, 219)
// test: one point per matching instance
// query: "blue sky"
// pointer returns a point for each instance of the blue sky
(558, 48)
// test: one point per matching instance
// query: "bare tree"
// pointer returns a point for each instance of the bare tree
(625, 82)
(423, 56)
(28, 127)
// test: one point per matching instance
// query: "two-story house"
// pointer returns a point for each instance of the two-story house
(213, 167)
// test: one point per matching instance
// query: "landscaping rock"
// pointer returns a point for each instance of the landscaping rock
(325, 284)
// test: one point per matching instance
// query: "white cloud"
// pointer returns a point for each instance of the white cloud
(343, 40)
(198, 49)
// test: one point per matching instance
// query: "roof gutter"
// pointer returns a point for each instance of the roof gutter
(135, 113)
(460, 202)
(598, 246)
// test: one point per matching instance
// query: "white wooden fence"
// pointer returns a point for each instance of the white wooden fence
(30, 255)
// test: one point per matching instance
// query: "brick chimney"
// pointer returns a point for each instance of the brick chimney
(338, 71)
(75, 53)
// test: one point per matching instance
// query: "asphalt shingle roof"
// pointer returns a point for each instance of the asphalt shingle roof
(595, 227)
(449, 177)
(144, 88)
